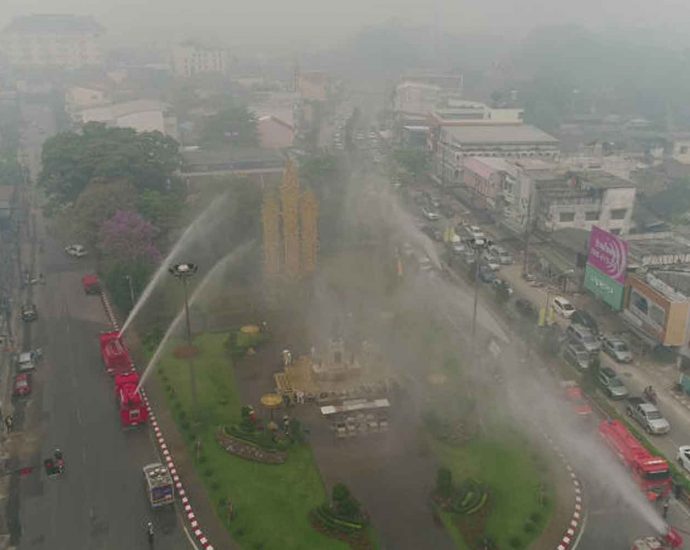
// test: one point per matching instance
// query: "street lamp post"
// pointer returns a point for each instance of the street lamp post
(184, 272)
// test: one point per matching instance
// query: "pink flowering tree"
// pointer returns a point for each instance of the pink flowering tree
(128, 238)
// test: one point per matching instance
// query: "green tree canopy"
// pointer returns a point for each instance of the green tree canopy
(72, 160)
(234, 125)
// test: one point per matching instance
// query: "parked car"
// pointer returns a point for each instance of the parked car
(425, 264)
(525, 307)
(486, 274)
(491, 261)
(577, 355)
(647, 415)
(582, 335)
(458, 248)
(76, 250)
(501, 285)
(684, 457)
(562, 306)
(501, 254)
(430, 214)
(476, 232)
(29, 313)
(26, 361)
(617, 348)
(22, 384)
(432, 233)
(582, 318)
(611, 384)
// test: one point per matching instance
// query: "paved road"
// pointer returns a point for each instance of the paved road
(99, 503)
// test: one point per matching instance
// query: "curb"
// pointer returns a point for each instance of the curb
(570, 537)
(160, 440)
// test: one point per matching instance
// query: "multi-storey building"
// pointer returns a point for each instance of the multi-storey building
(189, 59)
(68, 41)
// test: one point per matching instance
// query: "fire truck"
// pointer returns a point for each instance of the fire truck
(671, 539)
(159, 485)
(91, 284)
(114, 353)
(651, 473)
(133, 410)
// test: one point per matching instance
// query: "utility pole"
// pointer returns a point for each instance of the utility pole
(185, 272)
(528, 231)
(131, 289)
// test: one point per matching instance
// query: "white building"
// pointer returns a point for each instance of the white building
(189, 59)
(143, 115)
(84, 97)
(274, 133)
(67, 41)
(511, 141)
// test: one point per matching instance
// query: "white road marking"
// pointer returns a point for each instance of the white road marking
(83, 459)
(79, 421)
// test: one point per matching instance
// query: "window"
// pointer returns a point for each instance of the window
(616, 231)
(566, 217)
(592, 216)
(618, 213)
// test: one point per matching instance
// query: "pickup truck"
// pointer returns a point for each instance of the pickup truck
(647, 415)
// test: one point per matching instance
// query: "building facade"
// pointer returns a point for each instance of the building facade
(143, 115)
(189, 59)
(66, 41)
(454, 144)
(656, 310)
(274, 133)
(582, 200)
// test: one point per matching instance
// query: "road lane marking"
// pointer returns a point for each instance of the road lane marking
(79, 421)
(83, 459)
(189, 537)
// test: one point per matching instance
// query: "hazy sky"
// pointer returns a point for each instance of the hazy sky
(257, 20)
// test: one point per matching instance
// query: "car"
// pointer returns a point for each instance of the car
(22, 384)
(525, 307)
(458, 248)
(26, 361)
(76, 251)
(577, 356)
(573, 393)
(486, 274)
(562, 306)
(501, 255)
(29, 313)
(617, 349)
(430, 214)
(476, 232)
(432, 233)
(683, 457)
(425, 264)
(584, 319)
(580, 334)
(647, 415)
(611, 384)
(501, 285)
(491, 260)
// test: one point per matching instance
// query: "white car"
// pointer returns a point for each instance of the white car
(684, 457)
(562, 306)
(76, 250)
(430, 215)
(476, 232)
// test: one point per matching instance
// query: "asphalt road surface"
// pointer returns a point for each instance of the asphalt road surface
(100, 502)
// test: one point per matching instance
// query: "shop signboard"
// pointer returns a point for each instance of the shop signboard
(608, 254)
(604, 287)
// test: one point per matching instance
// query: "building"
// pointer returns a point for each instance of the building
(657, 307)
(8, 202)
(144, 115)
(518, 186)
(455, 143)
(67, 41)
(461, 112)
(486, 178)
(202, 164)
(274, 133)
(189, 59)
(583, 199)
(313, 85)
(413, 101)
(84, 97)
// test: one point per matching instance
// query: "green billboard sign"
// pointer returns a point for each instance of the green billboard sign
(603, 287)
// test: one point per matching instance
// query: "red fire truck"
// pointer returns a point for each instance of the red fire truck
(671, 539)
(91, 284)
(651, 473)
(133, 410)
(114, 353)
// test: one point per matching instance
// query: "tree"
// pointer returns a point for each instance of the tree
(163, 209)
(416, 162)
(128, 238)
(234, 125)
(97, 202)
(72, 160)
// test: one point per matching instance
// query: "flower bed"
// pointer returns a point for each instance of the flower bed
(248, 450)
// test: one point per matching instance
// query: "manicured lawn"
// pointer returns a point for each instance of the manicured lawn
(514, 479)
(271, 502)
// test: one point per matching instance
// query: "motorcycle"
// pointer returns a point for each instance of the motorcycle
(650, 395)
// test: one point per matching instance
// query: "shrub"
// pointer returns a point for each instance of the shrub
(535, 517)
(529, 527)
(215, 485)
(444, 482)
(207, 472)
(515, 542)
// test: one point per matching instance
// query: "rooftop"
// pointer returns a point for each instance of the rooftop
(673, 285)
(604, 180)
(54, 23)
(117, 110)
(229, 157)
(658, 249)
(499, 134)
